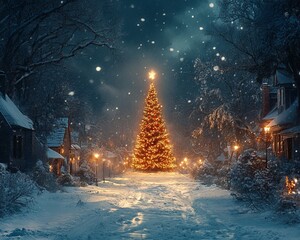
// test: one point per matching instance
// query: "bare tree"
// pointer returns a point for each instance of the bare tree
(225, 111)
(35, 34)
(266, 32)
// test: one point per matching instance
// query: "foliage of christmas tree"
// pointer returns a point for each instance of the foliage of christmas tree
(153, 151)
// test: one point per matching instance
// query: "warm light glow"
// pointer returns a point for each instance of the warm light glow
(96, 155)
(50, 168)
(267, 129)
(153, 150)
(236, 147)
(291, 185)
(152, 75)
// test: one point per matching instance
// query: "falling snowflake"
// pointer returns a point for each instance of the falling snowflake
(216, 68)
(201, 28)
(72, 93)
(211, 5)
(143, 19)
(98, 69)
(171, 49)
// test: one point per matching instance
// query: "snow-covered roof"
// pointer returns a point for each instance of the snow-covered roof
(13, 115)
(283, 77)
(56, 137)
(291, 131)
(287, 116)
(75, 146)
(272, 114)
(51, 154)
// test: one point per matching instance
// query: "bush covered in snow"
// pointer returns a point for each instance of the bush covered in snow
(253, 182)
(16, 191)
(43, 177)
(85, 173)
(216, 172)
(66, 180)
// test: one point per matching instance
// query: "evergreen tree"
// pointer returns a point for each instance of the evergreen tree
(153, 151)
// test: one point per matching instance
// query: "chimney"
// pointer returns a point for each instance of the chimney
(265, 99)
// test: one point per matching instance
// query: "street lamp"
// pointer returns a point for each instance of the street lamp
(235, 148)
(103, 161)
(267, 131)
(96, 155)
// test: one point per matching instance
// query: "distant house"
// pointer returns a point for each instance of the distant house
(59, 140)
(17, 140)
(281, 117)
(74, 158)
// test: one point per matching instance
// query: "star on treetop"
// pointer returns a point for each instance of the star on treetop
(152, 75)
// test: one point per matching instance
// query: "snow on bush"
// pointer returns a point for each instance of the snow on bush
(85, 173)
(206, 172)
(16, 191)
(66, 180)
(253, 182)
(43, 177)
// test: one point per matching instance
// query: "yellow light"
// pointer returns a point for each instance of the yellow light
(236, 147)
(291, 185)
(96, 155)
(267, 129)
(152, 75)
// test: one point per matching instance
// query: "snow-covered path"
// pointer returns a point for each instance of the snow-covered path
(142, 206)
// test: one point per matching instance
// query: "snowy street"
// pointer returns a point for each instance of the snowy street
(142, 206)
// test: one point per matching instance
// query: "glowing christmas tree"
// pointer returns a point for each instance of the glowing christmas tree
(153, 151)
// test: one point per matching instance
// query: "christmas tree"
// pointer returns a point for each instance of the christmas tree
(153, 151)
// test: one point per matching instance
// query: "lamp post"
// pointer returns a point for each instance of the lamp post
(267, 131)
(234, 149)
(96, 155)
(103, 161)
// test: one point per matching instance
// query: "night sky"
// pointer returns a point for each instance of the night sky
(162, 35)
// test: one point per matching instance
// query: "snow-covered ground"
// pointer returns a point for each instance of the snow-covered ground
(142, 206)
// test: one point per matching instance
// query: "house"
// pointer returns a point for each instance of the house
(74, 158)
(18, 144)
(281, 118)
(59, 141)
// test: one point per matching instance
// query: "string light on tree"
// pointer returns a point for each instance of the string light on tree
(153, 150)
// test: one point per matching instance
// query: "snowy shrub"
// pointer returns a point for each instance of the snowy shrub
(43, 177)
(16, 191)
(85, 173)
(66, 180)
(252, 182)
(206, 172)
(223, 175)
